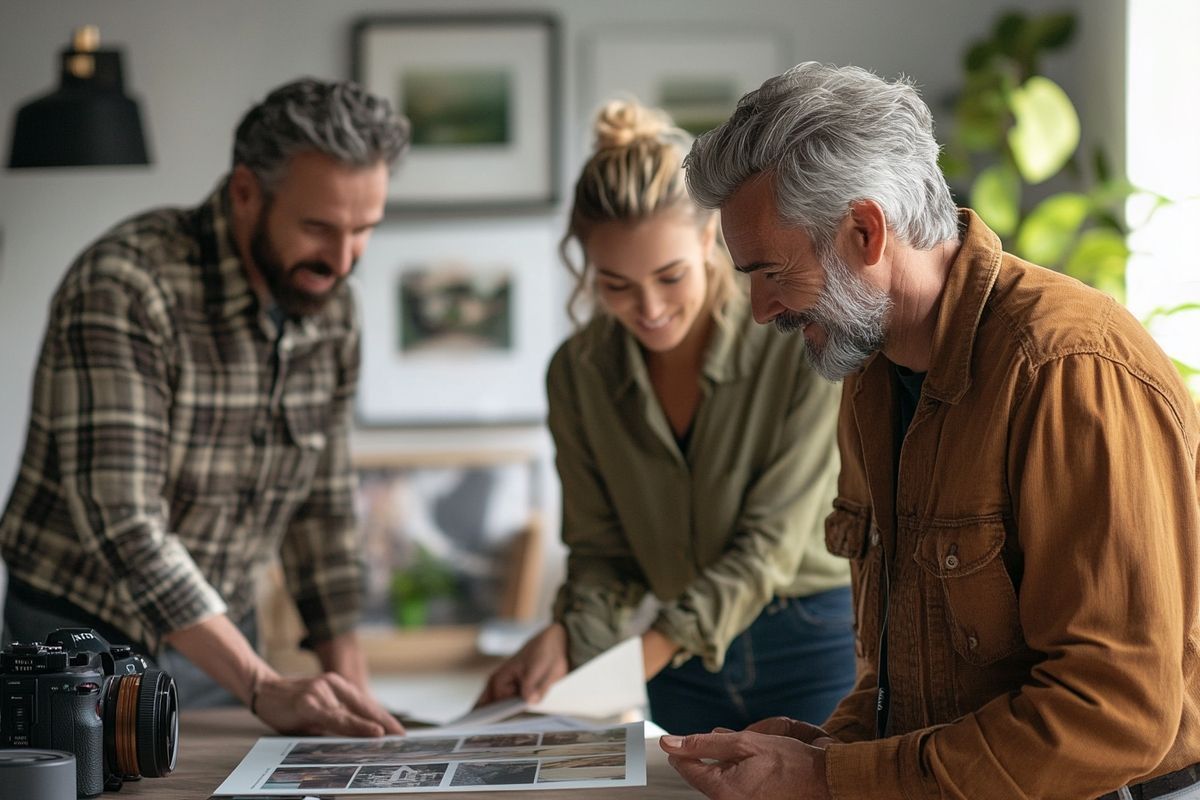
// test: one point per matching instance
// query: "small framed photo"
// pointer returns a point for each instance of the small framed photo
(696, 76)
(455, 326)
(481, 94)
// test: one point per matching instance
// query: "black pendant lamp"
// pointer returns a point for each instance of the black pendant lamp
(88, 121)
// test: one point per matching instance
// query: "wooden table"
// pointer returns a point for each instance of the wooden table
(213, 742)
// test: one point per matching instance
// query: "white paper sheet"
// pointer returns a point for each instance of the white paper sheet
(610, 684)
(484, 759)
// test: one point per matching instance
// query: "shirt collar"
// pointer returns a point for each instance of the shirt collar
(726, 358)
(968, 286)
(227, 289)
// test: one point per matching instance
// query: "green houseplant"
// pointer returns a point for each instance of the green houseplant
(416, 585)
(1015, 153)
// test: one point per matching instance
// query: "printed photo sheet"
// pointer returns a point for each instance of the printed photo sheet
(431, 761)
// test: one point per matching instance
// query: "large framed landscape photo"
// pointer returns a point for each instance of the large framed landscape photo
(481, 94)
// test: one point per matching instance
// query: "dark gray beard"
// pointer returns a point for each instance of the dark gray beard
(295, 301)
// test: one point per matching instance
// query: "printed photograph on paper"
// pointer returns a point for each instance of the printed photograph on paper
(403, 776)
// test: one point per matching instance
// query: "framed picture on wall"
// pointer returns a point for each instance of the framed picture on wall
(455, 327)
(697, 76)
(481, 94)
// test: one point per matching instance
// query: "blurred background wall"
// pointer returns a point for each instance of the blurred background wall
(197, 66)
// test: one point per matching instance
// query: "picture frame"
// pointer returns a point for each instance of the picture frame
(696, 75)
(456, 330)
(481, 94)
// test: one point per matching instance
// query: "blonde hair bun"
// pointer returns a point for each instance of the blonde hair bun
(620, 123)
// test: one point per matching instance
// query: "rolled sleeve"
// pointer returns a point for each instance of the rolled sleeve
(108, 414)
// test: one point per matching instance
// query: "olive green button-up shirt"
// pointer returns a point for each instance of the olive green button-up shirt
(1039, 547)
(714, 532)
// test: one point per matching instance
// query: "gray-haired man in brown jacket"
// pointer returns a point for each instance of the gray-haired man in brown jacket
(1019, 483)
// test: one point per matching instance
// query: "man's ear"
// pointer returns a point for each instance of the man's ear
(245, 193)
(708, 236)
(865, 232)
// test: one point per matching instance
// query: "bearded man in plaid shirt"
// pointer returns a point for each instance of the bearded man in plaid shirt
(190, 417)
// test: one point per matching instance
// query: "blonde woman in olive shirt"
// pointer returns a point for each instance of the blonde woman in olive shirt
(698, 461)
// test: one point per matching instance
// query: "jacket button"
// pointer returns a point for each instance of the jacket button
(972, 642)
(951, 561)
(874, 536)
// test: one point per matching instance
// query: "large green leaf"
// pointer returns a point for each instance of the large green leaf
(1010, 31)
(981, 116)
(996, 198)
(1053, 31)
(1045, 131)
(979, 56)
(1050, 228)
(1099, 260)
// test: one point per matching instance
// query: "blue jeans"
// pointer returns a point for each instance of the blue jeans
(795, 660)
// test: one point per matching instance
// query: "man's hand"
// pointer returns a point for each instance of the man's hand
(327, 705)
(330, 703)
(749, 764)
(794, 729)
(529, 673)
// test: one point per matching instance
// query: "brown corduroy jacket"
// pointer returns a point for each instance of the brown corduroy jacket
(1042, 543)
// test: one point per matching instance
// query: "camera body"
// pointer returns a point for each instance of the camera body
(102, 702)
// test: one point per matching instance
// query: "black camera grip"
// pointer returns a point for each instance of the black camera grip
(76, 727)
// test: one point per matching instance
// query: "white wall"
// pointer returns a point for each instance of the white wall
(197, 65)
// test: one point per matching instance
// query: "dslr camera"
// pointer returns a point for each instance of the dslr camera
(102, 702)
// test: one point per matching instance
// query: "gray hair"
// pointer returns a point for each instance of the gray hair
(337, 118)
(831, 136)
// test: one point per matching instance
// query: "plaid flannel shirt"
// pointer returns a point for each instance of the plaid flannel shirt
(178, 439)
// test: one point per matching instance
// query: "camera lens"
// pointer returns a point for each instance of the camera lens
(141, 724)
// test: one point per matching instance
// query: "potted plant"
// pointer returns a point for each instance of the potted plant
(416, 586)
(1016, 132)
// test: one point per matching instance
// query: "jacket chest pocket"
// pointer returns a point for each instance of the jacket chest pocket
(850, 533)
(964, 561)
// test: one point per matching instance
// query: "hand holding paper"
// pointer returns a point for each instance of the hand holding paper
(528, 674)
(609, 684)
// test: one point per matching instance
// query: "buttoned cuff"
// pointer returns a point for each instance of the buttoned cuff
(683, 628)
(586, 637)
(878, 770)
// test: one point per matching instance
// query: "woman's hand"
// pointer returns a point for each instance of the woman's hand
(657, 652)
(529, 673)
